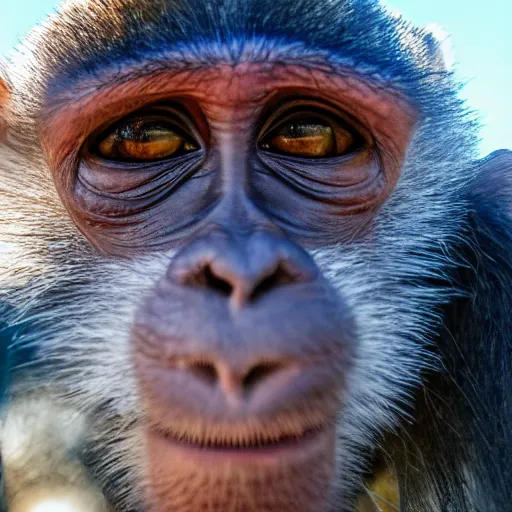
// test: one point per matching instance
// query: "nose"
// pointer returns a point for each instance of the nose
(242, 268)
(241, 327)
(234, 379)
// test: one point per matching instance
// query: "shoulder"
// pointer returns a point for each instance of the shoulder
(489, 196)
(479, 359)
(492, 184)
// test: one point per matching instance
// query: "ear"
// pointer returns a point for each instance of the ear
(4, 97)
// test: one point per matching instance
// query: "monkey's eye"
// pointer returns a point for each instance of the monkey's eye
(309, 138)
(145, 139)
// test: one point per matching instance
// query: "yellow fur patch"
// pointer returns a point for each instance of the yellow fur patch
(382, 495)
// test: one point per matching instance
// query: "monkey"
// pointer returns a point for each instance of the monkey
(254, 262)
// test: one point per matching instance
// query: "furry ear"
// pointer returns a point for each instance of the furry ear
(4, 97)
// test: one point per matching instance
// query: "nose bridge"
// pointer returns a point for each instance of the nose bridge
(236, 211)
(233, 144)
(238, 215)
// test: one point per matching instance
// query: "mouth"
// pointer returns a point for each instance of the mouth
(279, 468)
(249, 449)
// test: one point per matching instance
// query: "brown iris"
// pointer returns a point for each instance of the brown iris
(309, 139)
(144, 140)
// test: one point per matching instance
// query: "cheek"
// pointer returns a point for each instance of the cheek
(314, 219)
(156, 222)
(381, 288)
(90, 338)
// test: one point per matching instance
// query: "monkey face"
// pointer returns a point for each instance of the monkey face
(233, 302)
(243, 348)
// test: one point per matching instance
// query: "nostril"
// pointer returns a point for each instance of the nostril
(278, 278)
(259, 373)
(204, 371)
(216, 283)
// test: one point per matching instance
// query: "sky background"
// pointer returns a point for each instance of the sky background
(480, 35)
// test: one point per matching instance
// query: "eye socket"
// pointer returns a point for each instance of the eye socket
(308, 135)
(145, 138)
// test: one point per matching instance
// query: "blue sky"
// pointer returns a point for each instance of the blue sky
(480, 35)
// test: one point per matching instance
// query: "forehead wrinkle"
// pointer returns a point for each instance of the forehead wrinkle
(184, 58)
(255, 82)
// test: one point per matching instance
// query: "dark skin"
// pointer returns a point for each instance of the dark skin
(225, 110)
(276, 158)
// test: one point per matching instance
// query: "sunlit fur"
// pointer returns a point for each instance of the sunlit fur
(79, 305)
(39, 445)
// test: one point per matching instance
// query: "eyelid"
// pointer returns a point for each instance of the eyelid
(143, 118)
(315, 113)
(176, 116)
(315, 110)
(318, 111)
(306, 118)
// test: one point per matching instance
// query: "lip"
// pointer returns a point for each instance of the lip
(289, 450)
